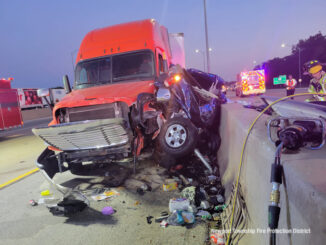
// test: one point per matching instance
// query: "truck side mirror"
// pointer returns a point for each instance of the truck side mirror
(163, 95)
(66, 84)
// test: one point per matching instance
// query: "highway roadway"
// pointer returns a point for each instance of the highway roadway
(21, 223)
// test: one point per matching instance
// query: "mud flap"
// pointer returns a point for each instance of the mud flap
(48, 162)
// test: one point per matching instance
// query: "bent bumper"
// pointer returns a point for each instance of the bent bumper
(86, 135)
(83, 141)
(254, 91)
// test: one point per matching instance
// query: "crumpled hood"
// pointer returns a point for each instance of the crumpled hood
(125, 91)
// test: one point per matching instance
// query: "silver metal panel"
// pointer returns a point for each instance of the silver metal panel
(85, 135)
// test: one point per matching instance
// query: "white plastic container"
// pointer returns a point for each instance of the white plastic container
(179, 204)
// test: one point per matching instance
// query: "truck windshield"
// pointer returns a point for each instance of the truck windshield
(116, 68)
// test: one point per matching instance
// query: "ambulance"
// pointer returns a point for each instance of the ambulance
(250, 83)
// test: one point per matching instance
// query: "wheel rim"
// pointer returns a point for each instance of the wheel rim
(175, 135)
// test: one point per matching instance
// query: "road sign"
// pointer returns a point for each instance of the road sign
(279, 80)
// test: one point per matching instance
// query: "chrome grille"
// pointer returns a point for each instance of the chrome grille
(93, 112)
(85, 135)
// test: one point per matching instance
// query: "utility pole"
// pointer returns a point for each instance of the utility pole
(206, 33)
(300, 80)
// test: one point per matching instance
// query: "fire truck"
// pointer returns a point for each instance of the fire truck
(250, 83)
(10, 114)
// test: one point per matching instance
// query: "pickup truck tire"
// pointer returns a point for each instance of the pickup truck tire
(178, 137)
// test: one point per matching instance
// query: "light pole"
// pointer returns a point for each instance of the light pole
(203, 53)
(206, 34)
(283, 45)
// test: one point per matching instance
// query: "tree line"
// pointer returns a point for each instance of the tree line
(312, 48)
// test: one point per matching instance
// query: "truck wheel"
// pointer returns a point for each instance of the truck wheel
(178, 137)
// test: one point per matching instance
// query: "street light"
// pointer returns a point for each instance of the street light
(283, 45)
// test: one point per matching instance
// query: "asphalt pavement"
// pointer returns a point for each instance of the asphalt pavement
(22, 223)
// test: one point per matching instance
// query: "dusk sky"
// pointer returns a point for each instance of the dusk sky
(39, 37)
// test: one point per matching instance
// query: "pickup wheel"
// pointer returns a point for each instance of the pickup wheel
(178, 137)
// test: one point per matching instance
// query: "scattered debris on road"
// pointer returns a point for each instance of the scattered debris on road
(108, 210)
(68, 207)
(104, 195)
(33, 202)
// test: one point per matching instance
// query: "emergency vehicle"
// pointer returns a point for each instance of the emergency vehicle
(250, 83)
(10, 114)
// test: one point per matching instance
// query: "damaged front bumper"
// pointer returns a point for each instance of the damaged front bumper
(86, 135)
(82, 141)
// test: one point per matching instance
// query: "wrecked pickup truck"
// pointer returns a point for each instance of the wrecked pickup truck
(124, 98)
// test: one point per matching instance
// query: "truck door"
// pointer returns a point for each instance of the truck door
(162, 65)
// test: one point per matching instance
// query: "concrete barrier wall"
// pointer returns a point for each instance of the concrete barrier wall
(303, 201)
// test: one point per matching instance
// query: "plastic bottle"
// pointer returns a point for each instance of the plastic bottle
(188, 217)
(175, 218)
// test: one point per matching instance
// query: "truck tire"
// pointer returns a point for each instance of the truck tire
(178, 137)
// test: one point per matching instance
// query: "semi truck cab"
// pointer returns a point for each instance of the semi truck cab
(107, 113)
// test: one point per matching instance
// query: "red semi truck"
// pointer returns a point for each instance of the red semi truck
(10, 114)
(107, 115)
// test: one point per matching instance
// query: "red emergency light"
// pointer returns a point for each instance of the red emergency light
(5, 83)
